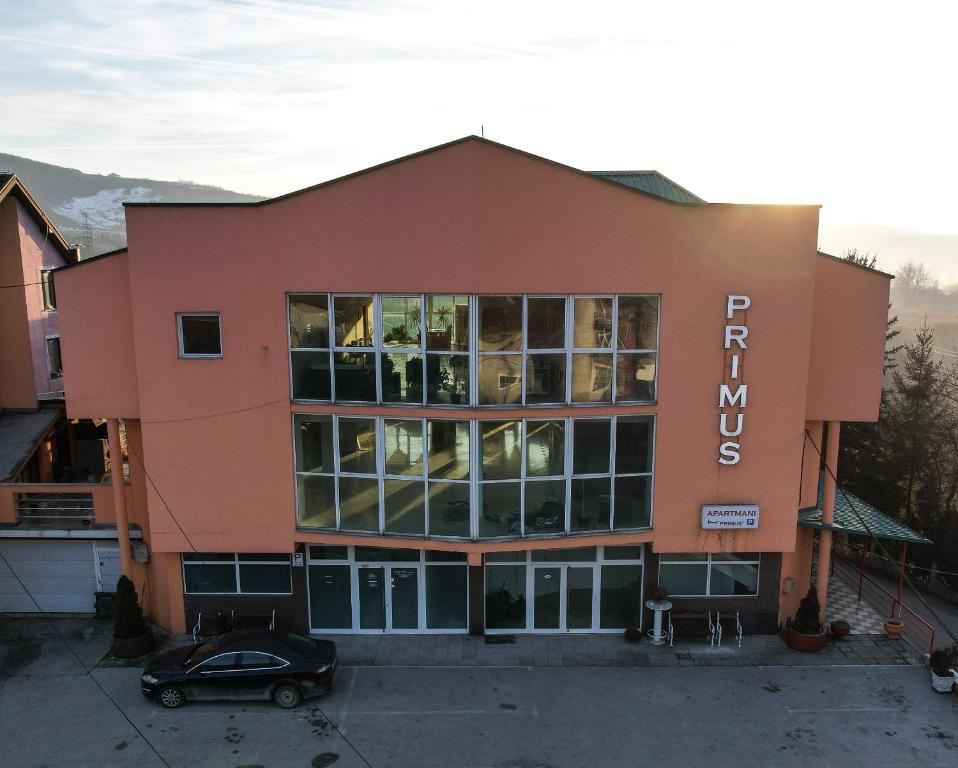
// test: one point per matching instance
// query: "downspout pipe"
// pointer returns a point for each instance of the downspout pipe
(119, 497)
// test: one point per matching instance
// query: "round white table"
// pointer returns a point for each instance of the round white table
(659, 607)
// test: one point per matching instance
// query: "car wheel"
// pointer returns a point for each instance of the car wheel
(171, 697)
(287, 696)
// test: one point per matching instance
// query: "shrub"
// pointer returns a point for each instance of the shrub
(806, 619)
(128, 618)
(943, 659)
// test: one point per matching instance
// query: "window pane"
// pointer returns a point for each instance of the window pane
(317, 501)
(579, 598)
(355, 376)
(358, 504)
(53, 358)
(505, 596)
(620, 596)
(327, 552)
(505, 557)
(591, 504)
(263, 557)
(591, 378)
(574, 555)
(207, 556)
(545, 448)
(500, 505)
(545, 506)
(752, 557)
(314, 443)
(210, 578)
(201, 334)
(405, 506)
(447, 379)
(593, 323)
(402, 378)
(309, 321)
(547, 598)
(448, 449)
(683, 579)
(49, 290)
(500, 379)
(311, 376)
(591, 446)
(447, 323)
(354, 321)
(330, 604)
(633, 503)
(357, 445)
(386, 555)
(500, 323)
(734, 579)
(638, 322)
(545, 378)
(265, 579)
(501, 450)
(633, 444)
(446, 591)
(449, 509)
(545, 323)
(635, 378)
(683, 557)
(623, 553)
(401, 321)
(439, 556)
(403, 446)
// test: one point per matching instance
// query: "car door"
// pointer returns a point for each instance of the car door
(214, 678)
(257, 672)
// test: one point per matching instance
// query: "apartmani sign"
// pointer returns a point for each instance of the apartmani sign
(729, 516)
(734, 393)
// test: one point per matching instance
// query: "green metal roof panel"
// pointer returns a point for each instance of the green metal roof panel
(863, 520)
(653, 183)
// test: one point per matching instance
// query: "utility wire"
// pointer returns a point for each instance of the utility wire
(885, 552)
(220, 413)
(83, 666)
(146, 472)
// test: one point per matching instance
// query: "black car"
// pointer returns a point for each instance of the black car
(252, 665)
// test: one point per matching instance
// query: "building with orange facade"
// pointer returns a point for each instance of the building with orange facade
(472, 390)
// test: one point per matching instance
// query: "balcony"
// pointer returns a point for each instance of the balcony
(58, 505)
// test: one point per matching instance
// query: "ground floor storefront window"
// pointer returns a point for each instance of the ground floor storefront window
(586, 589)
(373, 589)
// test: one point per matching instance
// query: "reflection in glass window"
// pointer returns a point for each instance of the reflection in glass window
(593, 323)
(359, 504)
(314, 443)
(405, 505)
(733, 579)
(545, 322)
(310, 371)
(317, 501)
(591, 504)
(633, 502)
(500, 507)
(591, 378)
(715, 575)
(500, 323)
(591, 441)
(309, 321)
(402, 378)
(545, 448)
(447, 323)
(447, 379)
(355, 376)
(633, 444)
(448, 509)
(635, 377)
(545, 507)
(448, 449)
(638, 322)
(505, 596)
(446, 596)
(402, 446)
(401, 321)
(357, 445)
(545, 378)
(684, 578)
(501, 450)
(620, 598)
(354, 321)
(500, 379)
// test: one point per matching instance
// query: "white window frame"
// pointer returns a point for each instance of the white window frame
(183, 355)
(236, 573)
(46, 279)
(709, 563)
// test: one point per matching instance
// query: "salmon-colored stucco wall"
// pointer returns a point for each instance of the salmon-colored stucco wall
(17, 388)
(811, 464)
(848, 341)
(96, 339)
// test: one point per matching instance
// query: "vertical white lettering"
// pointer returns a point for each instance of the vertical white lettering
(734, 367)
(728, 400)
(736, 333)
(736, 303)
(729, 453)
(723, 425)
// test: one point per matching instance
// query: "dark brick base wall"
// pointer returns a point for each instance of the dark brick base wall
(477, 600)
(292, 611)
(759, 615)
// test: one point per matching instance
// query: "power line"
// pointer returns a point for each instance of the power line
(220, 413)
(885, 552)
(79, 661)
(146, 472)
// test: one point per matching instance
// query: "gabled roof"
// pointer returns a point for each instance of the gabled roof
(652, 182)
(855, 264)
(10, 184)
(20, 434)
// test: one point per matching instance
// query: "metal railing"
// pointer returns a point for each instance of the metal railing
(917, 632)
(54, 507)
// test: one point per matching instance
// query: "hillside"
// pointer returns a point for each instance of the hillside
(88, 207)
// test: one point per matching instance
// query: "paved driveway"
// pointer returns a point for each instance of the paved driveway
(52, 713)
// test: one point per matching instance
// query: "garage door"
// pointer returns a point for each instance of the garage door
(60, 575)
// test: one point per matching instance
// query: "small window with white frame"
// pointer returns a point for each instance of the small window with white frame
(48, 291)
(697, 574)
(217, 573)
(198, 334)
(54, 360)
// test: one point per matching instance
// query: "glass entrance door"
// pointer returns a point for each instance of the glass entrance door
(547, 598)
(404, 597)
(578, 597)
(563, 597)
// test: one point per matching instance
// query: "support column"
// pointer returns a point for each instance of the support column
(828, 515)
(119, 497)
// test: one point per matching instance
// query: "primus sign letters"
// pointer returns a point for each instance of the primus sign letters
(730, 516)
(734, 394)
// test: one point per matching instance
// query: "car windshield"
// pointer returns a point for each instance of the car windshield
(201, 652)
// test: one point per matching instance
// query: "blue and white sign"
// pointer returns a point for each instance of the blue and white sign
(729, 516)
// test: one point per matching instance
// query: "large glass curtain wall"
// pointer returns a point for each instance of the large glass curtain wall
(474, 479)
(461, 350)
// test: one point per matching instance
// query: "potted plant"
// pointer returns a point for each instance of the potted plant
(840, 629)
(893, 628)
(659, 594)
(132, 636)
(941, 663)
(805, 632)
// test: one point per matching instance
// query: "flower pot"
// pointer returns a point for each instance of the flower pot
(840, 629)
(808, 643)
(893, 628)
(133, 647)
(632, 635)
(944, 683)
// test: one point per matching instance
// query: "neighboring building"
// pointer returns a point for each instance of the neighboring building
(473, 390)
(56, 550)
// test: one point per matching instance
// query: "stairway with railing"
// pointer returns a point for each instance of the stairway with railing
(54, 507)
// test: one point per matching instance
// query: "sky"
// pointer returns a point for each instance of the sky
(848, 104)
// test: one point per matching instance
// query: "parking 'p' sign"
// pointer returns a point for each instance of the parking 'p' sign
(729, 516)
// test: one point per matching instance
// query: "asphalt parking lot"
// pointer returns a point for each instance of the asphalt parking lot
(53, 713)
